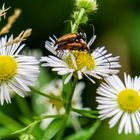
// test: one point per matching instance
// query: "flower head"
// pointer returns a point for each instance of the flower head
(53, 107)
(97, 64)
(17, 72)
(120, 101)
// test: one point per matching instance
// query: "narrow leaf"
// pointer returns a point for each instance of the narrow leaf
(86, 113)
(85, 134)
(56, 125)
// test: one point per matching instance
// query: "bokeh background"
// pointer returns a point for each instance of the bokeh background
(117, 26)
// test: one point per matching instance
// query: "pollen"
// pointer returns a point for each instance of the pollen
(83, 59)
(129, 100)
(8, 68)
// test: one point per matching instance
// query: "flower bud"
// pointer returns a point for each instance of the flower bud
(88, 5)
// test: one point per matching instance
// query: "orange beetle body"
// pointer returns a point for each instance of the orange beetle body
(71, 37)
(77, 45)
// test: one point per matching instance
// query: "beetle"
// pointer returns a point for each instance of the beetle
(68, 38)
(76, 45)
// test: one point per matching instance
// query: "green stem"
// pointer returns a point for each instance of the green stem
(45, 95)
(68, 90)
(30, 130)
(47, 116)
(96, 126)
(74, 27)
(61, 132)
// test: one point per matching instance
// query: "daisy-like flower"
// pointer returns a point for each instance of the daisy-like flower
(121, 103)
(17, 72)
(97, 64)
(52, 107)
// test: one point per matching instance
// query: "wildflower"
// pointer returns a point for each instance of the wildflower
(52, 107)
(17, 72)
(96, 64)
(120, 102)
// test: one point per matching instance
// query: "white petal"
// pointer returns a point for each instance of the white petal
(79, 75)
(122, 123)
(115, 119)
(68, 78)
(128, 126)
(90, 78)
(73, 61)
(135, 124)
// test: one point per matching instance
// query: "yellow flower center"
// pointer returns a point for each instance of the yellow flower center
(129, 100)
(83, 59)
(58, 105)
(8, 68)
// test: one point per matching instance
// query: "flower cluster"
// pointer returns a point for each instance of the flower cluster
(117, 100)
(72, 58)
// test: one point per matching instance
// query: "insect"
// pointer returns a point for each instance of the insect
(76, 45)
(71, 37)
(71, 41)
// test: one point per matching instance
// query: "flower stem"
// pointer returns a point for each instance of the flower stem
(74, 27)
(45, 95)
(68, 90)
(61, 133)
(47, 116)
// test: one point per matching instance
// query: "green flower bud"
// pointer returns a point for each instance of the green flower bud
(26, 137)
(88, 5)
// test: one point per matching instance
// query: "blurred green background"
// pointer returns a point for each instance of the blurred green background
(117, 26)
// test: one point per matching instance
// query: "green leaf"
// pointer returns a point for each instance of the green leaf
(4, 132)
(8, 122)
(30, 126)
(56, 125)
(86, 113)
(20, 131)
(85, 134)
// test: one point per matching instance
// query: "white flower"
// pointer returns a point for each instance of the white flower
(121, 103)
(53, 107)
(97, 64)
(17, 72)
